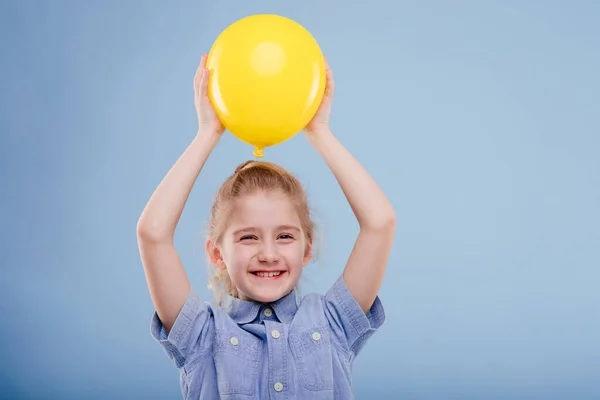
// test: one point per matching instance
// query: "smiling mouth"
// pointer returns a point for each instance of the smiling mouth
(268, 274)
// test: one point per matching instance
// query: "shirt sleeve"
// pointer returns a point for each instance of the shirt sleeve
(187, 338)
(350, 324)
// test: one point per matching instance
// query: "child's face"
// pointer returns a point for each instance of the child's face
(263, 247)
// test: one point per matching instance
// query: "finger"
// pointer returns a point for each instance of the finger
(203, 92)
(199, 73)
(329, 84)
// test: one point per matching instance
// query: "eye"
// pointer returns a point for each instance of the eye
(247, 237)
(285, 236)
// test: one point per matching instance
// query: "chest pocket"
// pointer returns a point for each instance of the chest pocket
(312, 352)
(237, 359)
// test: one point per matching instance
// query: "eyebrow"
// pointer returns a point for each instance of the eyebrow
(279, 228)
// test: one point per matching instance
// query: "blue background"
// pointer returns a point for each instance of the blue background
(480, 120)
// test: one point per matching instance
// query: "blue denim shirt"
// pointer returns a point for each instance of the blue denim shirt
(282, 350)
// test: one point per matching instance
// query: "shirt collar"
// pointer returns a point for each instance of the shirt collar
(243, 311)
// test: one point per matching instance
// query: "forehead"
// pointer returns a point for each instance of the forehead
(263, 210)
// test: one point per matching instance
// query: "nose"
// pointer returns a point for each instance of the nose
(268, 253)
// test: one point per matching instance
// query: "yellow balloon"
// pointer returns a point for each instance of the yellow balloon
(267, 79)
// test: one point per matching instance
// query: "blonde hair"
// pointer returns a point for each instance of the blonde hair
(250, 177)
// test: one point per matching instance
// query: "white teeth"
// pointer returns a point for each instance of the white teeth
(268, 274)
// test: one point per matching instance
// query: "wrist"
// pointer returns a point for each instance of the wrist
(319, 133)
(207, 138)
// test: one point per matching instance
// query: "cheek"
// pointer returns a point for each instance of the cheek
(294, 253)
(241, 256)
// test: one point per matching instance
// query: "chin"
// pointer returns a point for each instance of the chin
(270, 296)
(267, 291)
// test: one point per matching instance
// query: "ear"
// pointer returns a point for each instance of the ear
(308, 253)
(214, 254)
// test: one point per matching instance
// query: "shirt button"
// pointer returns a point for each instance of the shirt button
(316, 336)
(234, 341)
(275, 333)
(268, 312)
(278, 387)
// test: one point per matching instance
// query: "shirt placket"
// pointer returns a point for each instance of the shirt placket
(276, 341)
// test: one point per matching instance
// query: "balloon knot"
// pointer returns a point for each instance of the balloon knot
(258, 153)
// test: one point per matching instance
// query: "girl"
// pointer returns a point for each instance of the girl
(256, 341)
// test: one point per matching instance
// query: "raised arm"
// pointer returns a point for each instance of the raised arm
(366, 265)
(167, 281)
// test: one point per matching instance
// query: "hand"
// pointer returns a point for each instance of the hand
(320, 120)
(208, 121)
